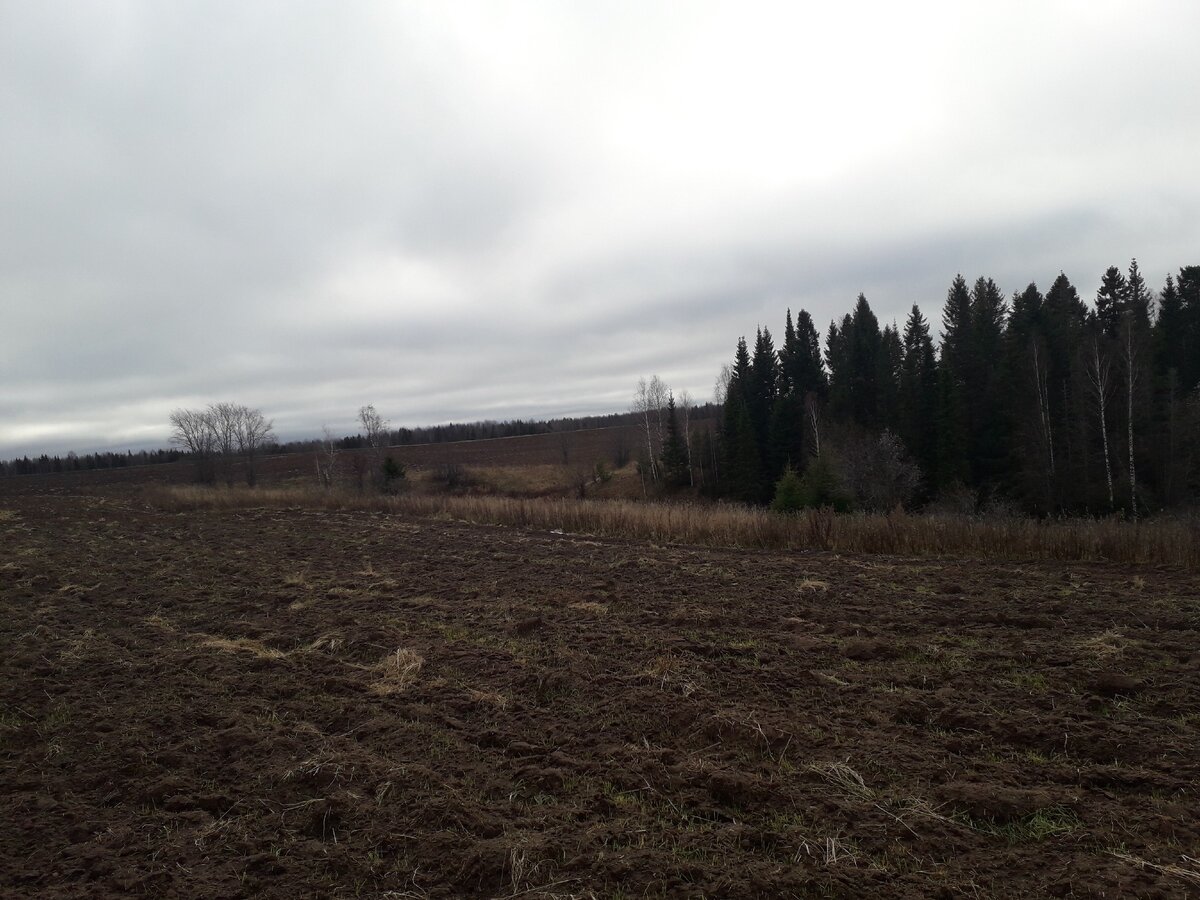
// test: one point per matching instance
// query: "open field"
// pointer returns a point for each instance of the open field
(281, 701)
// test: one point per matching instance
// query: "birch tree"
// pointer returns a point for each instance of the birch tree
(375, 429)
(1131, 353)
(1099, 380)
(685, 410)
(326, 453)
(648, 414)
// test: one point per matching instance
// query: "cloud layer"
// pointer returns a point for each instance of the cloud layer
(459, 211)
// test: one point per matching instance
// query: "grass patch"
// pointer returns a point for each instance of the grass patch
(1039, 825)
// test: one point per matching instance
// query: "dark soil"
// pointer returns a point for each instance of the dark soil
(287, 703)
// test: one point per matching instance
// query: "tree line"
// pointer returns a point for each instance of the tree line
(1042, 401)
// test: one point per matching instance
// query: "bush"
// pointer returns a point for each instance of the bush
(789, 493)
(393, 473)
(821, 485)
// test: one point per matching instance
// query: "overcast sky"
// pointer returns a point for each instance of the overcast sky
(459, 211)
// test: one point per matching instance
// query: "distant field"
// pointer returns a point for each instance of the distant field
(287, 701)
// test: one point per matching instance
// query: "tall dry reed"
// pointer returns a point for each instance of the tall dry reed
(1170, 541)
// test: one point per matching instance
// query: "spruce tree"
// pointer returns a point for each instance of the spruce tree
(954, 431)
(674, 454)
(989, 424)
(918, 395)
(1112, 299)
(808, 375)
(890, 362)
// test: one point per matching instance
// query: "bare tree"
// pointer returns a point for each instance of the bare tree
(221, 431)
(192, 431)
(1099, 372)
(224, 418)
(253, 431)
(721, 388)
(375, 429)
(326, 453)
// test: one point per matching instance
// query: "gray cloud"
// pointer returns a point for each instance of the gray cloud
(466, 210)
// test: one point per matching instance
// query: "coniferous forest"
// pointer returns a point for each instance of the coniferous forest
(1039, 402)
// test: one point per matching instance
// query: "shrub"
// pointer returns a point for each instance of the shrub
(821, 485)
(789, 493)
(393, 473)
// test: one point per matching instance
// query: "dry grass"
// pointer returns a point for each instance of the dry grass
(397, 671)
(240, 645)
(1173, 541)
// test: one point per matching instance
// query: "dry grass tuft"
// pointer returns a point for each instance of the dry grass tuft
(397, 671)
(8, 515)
(1106, 644)
(491, 698)
(590, 606)
(240, 645)
(843, 777)
(157, 621)
(1188, 874)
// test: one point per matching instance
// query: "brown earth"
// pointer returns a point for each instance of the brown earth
(285, 703)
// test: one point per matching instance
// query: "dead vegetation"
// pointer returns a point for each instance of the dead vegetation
(1158, 541)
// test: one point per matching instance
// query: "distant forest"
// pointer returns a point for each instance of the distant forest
(434, 434)
(1040, 402)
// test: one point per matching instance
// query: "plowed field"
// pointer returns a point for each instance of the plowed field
(287, 703)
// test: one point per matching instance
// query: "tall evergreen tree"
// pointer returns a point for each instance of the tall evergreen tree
(1188, 285)
(1032, 466)
(865, 342)
(1112, 299)
(1139, 298)
(918, 395)
(741, 464)
(954, 430)
(890, 363)
(808, 375)
(985, 387)
(674, 454)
